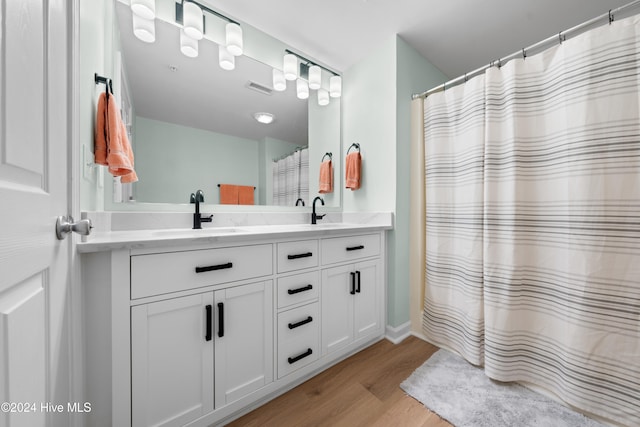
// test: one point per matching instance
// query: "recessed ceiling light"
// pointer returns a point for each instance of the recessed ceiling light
(265, 118)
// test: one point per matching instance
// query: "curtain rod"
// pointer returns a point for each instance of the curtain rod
(562, 36)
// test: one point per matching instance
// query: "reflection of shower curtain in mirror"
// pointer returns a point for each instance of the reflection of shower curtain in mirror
(291, 179)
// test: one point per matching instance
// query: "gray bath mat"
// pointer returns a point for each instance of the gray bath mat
(463, 395)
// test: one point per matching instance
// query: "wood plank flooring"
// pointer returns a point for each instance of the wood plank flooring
(363, 390)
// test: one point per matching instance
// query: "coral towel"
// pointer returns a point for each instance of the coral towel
(245, 195)
(326, 177)
(353, 172)
(228, 194)
(111, 145)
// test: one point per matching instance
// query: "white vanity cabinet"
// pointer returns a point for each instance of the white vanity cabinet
(171, 361)
(197, 332)
(351, 293)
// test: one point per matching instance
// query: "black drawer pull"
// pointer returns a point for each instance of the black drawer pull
(293, 360)
(207, 335)
(353, 283)
(355, 248)
(220, 319)
(298, 256)
(358, 276)
(300, 323)
(297, 291)
(214, 267)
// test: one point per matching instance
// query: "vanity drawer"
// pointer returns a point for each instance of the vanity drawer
(297, 255)
(298, 336)
(177, 271)
(350, 248)
(297, 289)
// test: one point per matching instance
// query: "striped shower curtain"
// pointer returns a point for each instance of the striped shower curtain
(291, 179)
(561, 224)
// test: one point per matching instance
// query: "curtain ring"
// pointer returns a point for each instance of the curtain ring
(611, 17)
(524, 54)
(465, 78)
(560, 38)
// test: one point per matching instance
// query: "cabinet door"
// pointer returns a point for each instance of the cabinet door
(337, 308)
(172, 361)
(367, 309)
(244, 340)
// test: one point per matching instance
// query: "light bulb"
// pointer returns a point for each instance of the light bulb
(144, 29)
(226, 60)
(302, 89)
(335, 86)
(145, 9)
(265, 118)
(315, 77)
(279, 82)
(323, 97)
(234, 39)
(193, 20)
(290, 66)
(188, 46)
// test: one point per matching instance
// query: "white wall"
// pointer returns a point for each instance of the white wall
(173, 161)
(377, 98)
(324, 136)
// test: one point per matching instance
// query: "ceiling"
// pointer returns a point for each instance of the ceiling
(456, 36)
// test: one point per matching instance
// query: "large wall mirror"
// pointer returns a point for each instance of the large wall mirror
(193, 124)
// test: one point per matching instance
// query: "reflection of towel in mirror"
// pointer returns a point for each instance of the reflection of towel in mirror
(326, 177)
(228, 194)
(245, 195)
(112, 146)
(353, 171)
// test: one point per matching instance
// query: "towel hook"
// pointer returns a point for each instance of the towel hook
(355, 144)
(327, 154)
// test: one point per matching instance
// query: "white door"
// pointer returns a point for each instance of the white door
(244, 340)
(367, 312)
(35, 323)
(338, 292)
(172, 360)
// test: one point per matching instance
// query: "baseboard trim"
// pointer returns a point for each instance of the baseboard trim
(398, 334)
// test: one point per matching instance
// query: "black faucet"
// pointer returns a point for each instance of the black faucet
(197, 219)
(299, 201)
(315, 216)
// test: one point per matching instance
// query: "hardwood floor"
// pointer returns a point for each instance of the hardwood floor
(363, 390)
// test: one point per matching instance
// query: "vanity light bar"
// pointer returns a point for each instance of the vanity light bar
(309, 62)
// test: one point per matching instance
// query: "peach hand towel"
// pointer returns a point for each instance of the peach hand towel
(326, 177)
(245, 194)
(100, 139)
(353, 171)
(119, 152)
(228, 194)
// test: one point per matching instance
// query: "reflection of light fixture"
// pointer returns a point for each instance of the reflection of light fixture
(145, 9)
(290, 67)
(315, 77)
(323, 97)
(226, 60)
(265, 118)
(234, 38)
(193, 20)
(335, 86)
(188, 46)
(279, 82)
(302, 89)
(144, 29)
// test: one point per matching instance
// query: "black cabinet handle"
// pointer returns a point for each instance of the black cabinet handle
(358, 276)
(214, 267)
(298, 256)
(300, 323)
(207, 335)
(298, 290)
(220, 319)
(353, 283)
(293, 360)
(355, 248)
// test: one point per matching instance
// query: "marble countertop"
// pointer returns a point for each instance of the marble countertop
(123, 239)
